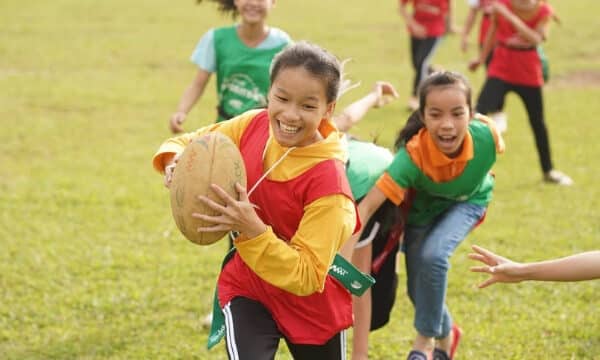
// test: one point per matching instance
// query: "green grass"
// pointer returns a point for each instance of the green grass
(91, 264)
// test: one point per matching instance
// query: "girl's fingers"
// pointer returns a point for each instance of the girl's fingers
(222, 194)
(388, 89)
(242, 192)
(483, 251)
(482, 269)
(484, 259)
(211, 204)
(477, 257)
(486, 283)
(217, 219)
(215, 228)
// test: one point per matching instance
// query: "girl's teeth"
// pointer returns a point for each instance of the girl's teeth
(288, 129)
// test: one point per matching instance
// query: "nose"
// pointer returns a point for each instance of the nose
(447, 122)
(291, 113)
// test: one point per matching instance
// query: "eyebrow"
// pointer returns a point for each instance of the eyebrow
(452, 109)
(310, 97)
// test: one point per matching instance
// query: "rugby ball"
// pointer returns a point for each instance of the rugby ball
(209, 159)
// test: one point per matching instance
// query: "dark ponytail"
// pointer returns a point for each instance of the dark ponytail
(225, 6)
(411, 128)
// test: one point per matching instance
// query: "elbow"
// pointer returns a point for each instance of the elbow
(537, 40)
(307, 288)
(309, 283)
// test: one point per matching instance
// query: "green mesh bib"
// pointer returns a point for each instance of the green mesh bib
(242, 73)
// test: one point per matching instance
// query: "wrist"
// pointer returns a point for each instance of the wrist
(374, 98)
(256, 231)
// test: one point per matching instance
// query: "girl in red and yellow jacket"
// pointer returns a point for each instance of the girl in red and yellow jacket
(294, 219)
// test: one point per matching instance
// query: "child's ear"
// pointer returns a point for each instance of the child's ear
(330, 109)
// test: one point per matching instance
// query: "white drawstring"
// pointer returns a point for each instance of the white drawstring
(272, 166)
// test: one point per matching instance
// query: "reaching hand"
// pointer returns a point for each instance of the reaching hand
(517, 41)
(500, 268)
(385, 93)
(417, 30)
(175, 122)
(238, 215)
(474, 64)
(169, 169)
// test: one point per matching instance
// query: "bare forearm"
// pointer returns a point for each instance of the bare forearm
(404, 13)
(469, 22)
(525, 31)
(488, 43)
(189, 97)
(354, 112)
(584, 266)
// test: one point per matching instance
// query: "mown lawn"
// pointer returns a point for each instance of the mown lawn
(91, 264)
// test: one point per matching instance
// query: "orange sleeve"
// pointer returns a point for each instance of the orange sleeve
(391, 189)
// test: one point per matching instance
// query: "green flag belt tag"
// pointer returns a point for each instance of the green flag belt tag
(353, 279)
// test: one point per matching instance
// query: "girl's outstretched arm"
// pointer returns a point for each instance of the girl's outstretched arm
(533, 36)
(488, 44)
(188, 99)
(583, 266)
(469, 21)
(383, 92)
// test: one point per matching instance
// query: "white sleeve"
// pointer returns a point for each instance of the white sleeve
(473, 3)
(204, 54)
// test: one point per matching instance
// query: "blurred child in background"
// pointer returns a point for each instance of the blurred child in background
(517, 28)
(483, 7)
(427, 24)
(240, 55)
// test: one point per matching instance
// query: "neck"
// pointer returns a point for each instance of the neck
(252, 34)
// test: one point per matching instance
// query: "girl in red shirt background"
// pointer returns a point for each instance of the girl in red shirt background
(426, 25)
(517, 28)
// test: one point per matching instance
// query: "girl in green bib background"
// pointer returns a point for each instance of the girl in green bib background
(240, 55)
(446, 155)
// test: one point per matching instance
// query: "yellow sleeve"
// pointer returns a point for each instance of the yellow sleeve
(301, 265)
(234, 128)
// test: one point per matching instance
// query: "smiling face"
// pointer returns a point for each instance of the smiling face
(297, 104)
(446, 116)
(253, 11)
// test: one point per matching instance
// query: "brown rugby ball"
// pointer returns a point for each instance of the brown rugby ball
(209, 159)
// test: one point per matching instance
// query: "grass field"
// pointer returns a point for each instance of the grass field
(91, 264)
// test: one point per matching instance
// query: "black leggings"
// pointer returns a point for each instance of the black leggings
(491, 100)
(252, 334)
(421, 51)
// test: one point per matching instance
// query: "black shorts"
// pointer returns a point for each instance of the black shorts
(383, 231)
(253, 334)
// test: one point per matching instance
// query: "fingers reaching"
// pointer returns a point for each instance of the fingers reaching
(385, 93)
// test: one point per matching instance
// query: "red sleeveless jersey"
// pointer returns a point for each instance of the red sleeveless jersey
(432, 14)
(312, 319)
(517, 66)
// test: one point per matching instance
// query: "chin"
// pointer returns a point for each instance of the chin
(286, 140)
